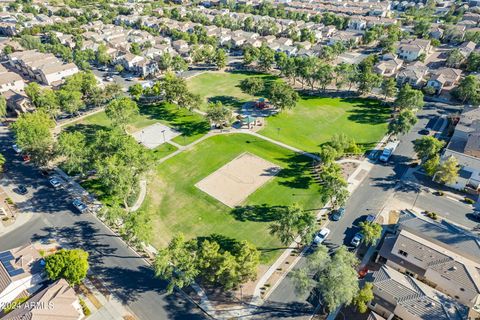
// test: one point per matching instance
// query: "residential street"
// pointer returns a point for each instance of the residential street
(123, 272)
(379, 187)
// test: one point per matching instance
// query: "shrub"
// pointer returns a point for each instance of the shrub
(469, 201)
(431, 215)
(9, 201)
(440, 193)
(85, 309)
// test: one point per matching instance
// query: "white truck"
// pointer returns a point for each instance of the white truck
(389, 149)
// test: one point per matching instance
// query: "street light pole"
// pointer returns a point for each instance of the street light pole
(163, 132)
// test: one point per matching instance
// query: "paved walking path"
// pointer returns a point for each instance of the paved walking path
(141, 196)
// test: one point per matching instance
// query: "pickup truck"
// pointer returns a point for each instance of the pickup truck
(388, 151)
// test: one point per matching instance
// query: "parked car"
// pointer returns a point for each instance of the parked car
(338, 214)
(55, 182)
(321, 236)
(26, 157)
(357, 239)
(424, 132)
(21, 189)
(370, 218)
(16, 148)
(130, 78)
(109, 79)
(79, 205)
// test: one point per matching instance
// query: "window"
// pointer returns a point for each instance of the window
(403, 253)
(411, 274)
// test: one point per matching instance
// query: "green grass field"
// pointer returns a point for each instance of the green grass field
(314, 120)
(223, 87)
(176, 205)
(190, 124)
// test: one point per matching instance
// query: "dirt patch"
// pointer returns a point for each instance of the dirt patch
(235, 181)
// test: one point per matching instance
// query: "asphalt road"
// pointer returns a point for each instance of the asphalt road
(122, 271)
(380, 185)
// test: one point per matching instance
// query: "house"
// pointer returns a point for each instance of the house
(413, 74)
(20, 270)
(388, 67)
(180, 44)
(10, 81)
(17, 102)
(438, 254)
(59, 299)
(465, 147)
(444, 79)
(345, 37)
(357, 24)
(466, 48)
(396, 294)
(410, 50)
(436, 32)
(45, 68)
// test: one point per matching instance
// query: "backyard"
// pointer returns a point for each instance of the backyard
(177, 205)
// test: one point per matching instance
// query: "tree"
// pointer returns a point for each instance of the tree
(283, 96)
(371, 231)
(48, 101)
(335, 277)
(71, 265)
(447, 171)
(454, 59)
(405, 120)
(468, 90)
(427, 147)
(70, 101)
(292, 222)
(3, 107)
(219, 115)
(473, 61)
(266, 58)
(119, 68)
(33, 133)
(334, 185)
(177, 263)
(324, 75)
(2, 162)
(422, 28)
(138, 227)
(121, 110)
(431, 165)
(389, 88)
(135, 48)
(33, 91)
(102, 55)
(220, 58)
(73, 147)
(136, 91)
(364, 296)
(253, 85)
(409, 98)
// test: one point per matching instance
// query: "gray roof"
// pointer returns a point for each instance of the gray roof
(416, 297)
(443, 234)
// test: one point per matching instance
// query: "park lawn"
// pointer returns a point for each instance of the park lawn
(190, 124)
(315, 120)
(176, 205)
(223, 86)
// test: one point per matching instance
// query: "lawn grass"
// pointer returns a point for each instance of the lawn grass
(191, 125)
(315, 120)
(176, 205)
(223, 87)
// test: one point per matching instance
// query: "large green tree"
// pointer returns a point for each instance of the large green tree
(121, 111)
(71, 265)
(219, 115)
(293, 221)
(72, 147)
(427, 147)
(252, 85)
(403, 122)
(33, 133)
(283, 96)
(371, 231)
(364, 296)
(447, 171)
(409, 98)
(3, 107)
(335, 277)
(468, 90)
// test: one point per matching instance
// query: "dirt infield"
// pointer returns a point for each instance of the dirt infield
(235, 181)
